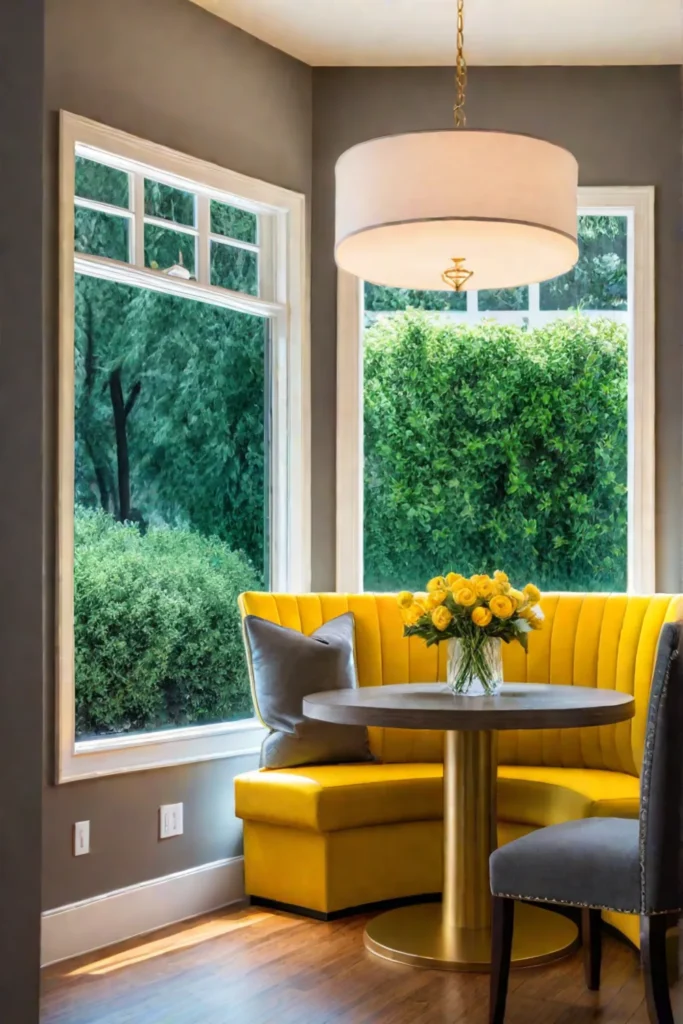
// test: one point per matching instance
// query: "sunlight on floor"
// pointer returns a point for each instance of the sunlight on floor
(170, 944)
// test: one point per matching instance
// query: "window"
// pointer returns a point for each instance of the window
(506, 428)
(183, 427)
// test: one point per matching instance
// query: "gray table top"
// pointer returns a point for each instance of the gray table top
(433, 706)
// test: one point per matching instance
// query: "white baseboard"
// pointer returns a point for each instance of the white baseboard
(92, 924)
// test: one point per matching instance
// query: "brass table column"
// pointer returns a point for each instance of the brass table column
(455, 935)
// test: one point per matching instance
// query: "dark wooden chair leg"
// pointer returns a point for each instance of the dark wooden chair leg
(653, 959)
(592, 947)
(502, 923)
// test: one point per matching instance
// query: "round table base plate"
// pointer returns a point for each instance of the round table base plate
(415, 935)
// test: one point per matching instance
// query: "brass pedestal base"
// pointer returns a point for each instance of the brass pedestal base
(418, 936)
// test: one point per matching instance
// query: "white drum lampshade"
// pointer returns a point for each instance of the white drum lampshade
(409, 205)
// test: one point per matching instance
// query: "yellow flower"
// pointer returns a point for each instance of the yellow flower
(501, 582)
(438, 583)
(526, 613)
(436, 597)
(453, 578)
(441, 617)
(535, 622)
(405, 599)
(484, 587)
(459, 583)
(501, 606)
(532, 593)
(465, 597)
(517, 597)
(481, 617)
(412, 615)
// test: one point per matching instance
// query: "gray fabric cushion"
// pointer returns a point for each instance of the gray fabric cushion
(593, 862)
(287, 666)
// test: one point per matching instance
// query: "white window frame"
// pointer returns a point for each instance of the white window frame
(637, 203)
(284, 274)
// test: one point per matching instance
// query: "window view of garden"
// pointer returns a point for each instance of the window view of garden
(500, 437)
(171, 474)
(495, 434)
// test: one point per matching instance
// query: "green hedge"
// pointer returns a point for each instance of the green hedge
(157, 630)
(496, 447)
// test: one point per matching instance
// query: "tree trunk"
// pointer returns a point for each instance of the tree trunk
(122, 461)
(122, 410)
(100, 477)
(90, 378)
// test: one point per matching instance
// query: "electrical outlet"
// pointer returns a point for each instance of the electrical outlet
(81, 838)
(170, 820)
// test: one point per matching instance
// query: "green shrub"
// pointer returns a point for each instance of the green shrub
(493, 446)
(157, 629)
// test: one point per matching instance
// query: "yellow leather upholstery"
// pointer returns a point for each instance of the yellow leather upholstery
(335, 836)
(548, 796)
(328, 798)
(589, 640)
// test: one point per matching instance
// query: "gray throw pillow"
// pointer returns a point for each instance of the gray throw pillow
(285, 667)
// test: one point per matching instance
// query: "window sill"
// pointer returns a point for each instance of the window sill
(91, 759)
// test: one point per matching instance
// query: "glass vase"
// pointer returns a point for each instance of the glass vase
(475, 666)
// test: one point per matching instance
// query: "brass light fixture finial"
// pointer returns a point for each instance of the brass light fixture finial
(457, 276)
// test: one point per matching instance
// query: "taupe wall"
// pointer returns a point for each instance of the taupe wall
(623, 124)
(21, 511)
(170, 72)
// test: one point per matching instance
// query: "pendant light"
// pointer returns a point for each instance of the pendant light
(460, 209)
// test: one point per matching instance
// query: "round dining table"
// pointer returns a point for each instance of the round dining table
(456, 933)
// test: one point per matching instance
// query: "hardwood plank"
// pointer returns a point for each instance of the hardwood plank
(258, 967)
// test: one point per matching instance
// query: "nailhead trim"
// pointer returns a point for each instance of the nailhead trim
(645, 784)
(591, 906)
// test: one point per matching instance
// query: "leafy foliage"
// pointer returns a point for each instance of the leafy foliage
(493, 445)
(599, 279)
(379, 299)
(503, 299)
(157, 631)
(192, 377)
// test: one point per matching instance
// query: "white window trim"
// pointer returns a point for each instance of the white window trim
(287, 302)
(638, 203)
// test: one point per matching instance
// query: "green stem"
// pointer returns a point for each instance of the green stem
(474, 665)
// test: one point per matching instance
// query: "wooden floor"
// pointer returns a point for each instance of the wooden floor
(259, 967)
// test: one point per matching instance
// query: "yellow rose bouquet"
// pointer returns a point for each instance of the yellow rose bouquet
(475, 615)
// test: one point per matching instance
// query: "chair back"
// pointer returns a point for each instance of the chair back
(661, 800)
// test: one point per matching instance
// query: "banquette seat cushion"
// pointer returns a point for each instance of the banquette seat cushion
(329, 837)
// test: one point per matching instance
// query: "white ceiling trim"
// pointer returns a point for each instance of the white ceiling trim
(498, 32)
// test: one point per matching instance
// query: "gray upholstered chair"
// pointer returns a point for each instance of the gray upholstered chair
(617, 864)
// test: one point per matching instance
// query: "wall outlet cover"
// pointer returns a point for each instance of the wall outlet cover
(170, 820)
(81, 838)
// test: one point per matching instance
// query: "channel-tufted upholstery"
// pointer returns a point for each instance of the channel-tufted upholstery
(546, 776)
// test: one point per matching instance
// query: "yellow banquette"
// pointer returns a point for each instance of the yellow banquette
(330, 837)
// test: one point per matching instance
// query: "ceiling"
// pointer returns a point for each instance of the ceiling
(498, 32)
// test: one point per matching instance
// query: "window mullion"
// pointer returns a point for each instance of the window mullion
(138, 256)
(534, 304)
(267, 261)
(234, 242)
(203, 241)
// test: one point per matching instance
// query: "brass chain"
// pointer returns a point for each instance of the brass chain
(460, 71)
